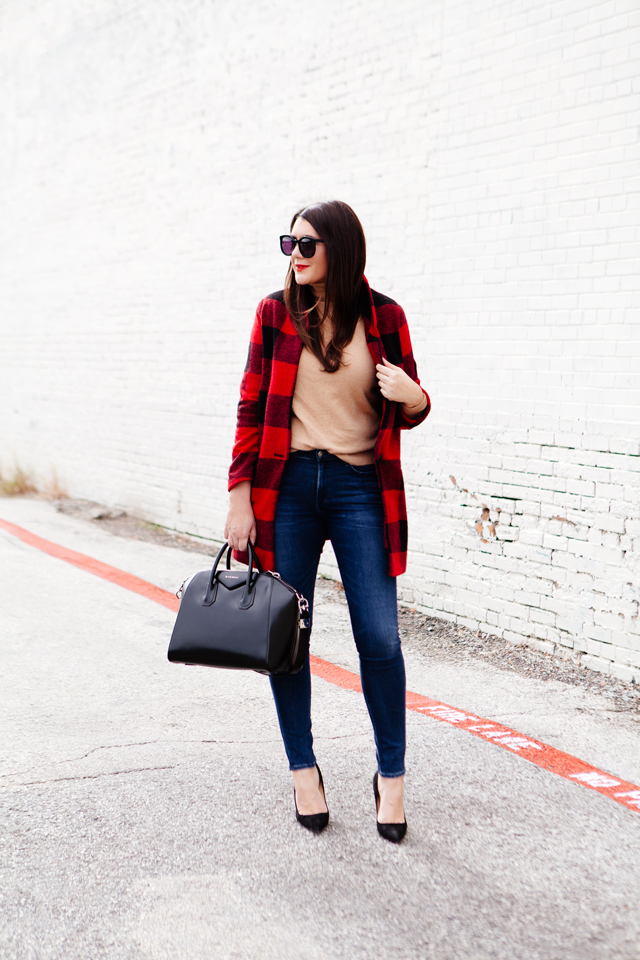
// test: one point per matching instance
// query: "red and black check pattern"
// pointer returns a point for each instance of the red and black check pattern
(263, 434)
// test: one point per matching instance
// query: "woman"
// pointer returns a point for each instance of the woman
(330, 381)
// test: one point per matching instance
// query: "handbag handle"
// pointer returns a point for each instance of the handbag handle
(211, 591)
(248, 596)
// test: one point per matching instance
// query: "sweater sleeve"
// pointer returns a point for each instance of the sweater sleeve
(247, 440)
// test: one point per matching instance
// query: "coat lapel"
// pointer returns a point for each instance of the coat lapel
(371, 326)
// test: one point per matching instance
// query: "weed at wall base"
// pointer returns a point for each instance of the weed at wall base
(19, 483)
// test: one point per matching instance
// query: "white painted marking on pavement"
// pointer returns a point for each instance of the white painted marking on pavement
(595, 779)
(634, 797)
(447, 713)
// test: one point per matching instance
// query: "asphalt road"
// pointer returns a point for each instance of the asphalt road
(147, 810)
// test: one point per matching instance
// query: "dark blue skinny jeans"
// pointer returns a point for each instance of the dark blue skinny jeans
(324, 498)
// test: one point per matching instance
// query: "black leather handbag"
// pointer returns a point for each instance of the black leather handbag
(245, 620)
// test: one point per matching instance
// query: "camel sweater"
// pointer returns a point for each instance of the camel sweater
(338, 412)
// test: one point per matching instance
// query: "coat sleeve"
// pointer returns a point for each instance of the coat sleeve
(247, 440)
(408, 364)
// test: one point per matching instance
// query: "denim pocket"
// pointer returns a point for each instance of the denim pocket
(364, 469)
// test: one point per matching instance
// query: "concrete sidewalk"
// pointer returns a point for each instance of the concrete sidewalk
(147, 810)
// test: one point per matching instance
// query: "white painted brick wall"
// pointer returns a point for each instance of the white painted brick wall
(151, 154)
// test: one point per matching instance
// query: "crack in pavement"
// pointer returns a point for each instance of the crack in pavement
(114, 746)
(95, 776)
(146, 743)
(143, 743)
(124, 746)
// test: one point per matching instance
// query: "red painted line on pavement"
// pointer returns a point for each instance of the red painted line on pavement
(81, 560)
(541, 754)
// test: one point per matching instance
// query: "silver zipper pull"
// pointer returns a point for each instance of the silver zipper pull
(180, 589)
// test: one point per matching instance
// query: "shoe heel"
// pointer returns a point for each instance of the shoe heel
(315, 822)
(393, 832)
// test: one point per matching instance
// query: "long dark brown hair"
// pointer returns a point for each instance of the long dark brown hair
(346, 297)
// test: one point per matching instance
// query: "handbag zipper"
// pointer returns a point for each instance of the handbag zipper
(303, 608)
(303, 603)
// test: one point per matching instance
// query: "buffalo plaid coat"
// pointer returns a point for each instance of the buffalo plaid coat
(263, 434)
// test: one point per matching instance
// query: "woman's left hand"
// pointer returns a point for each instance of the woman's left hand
(397, 385)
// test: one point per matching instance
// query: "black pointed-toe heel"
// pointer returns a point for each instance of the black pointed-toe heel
(316, 822)
(393, 832)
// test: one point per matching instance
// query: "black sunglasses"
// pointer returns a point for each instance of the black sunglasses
(307, 245)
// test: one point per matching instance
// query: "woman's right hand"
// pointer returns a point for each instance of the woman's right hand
(240, 525)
